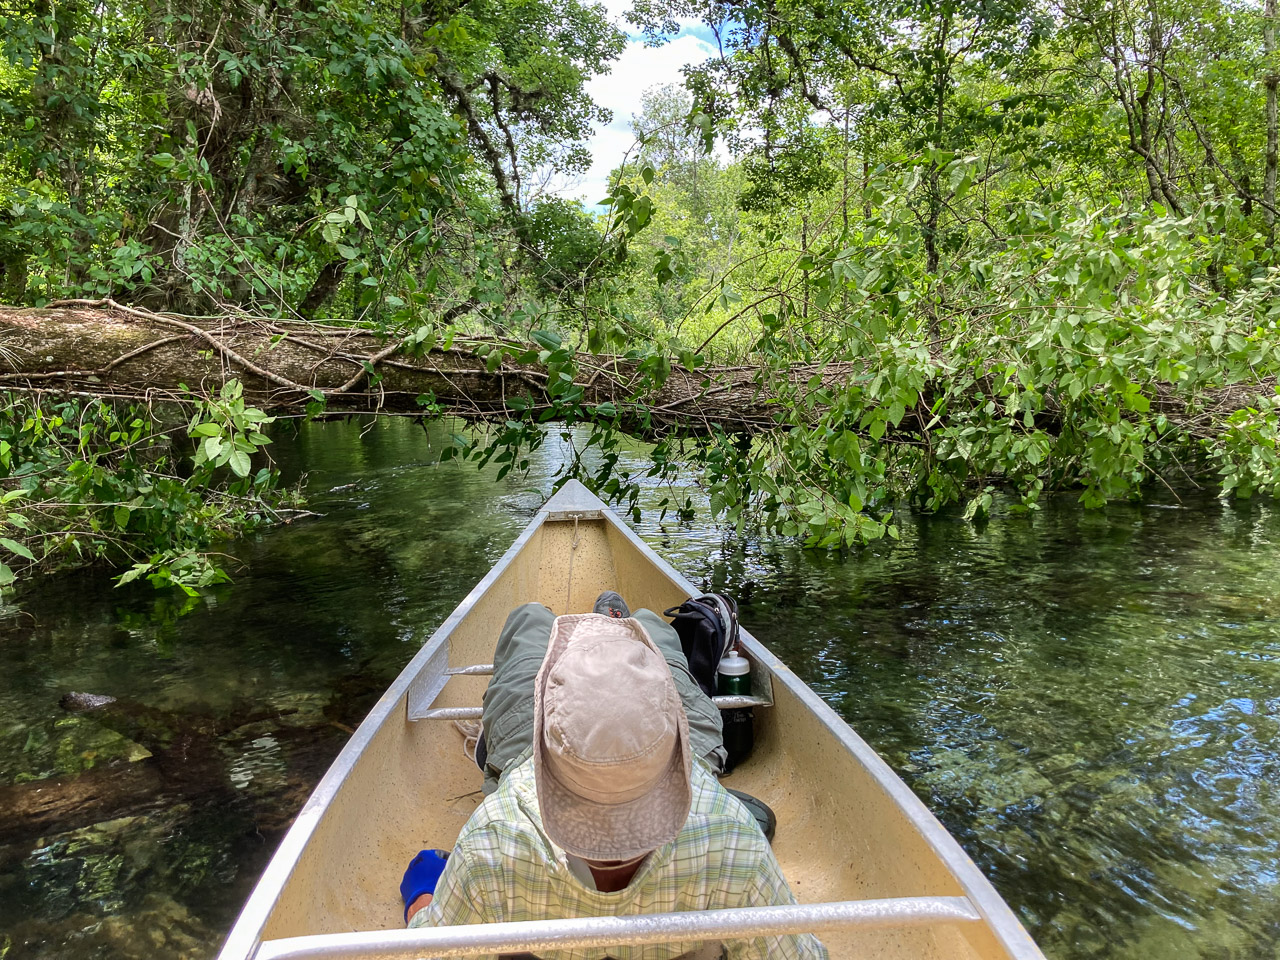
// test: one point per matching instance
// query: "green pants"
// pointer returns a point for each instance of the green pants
(508, 702)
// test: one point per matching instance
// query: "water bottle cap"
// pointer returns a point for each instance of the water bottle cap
(733, 665)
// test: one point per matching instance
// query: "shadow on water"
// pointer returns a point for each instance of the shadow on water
(1090, 702)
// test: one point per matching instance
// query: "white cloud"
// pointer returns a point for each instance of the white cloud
(638, 69)
(617, 10)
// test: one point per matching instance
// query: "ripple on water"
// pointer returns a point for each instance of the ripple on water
(1089, 702)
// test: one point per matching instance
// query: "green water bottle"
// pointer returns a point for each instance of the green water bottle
(733, 676)
(733, 679)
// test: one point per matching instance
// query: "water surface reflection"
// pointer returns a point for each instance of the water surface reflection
(1089, 702)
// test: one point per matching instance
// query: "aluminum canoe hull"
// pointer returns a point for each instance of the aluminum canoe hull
(850, 834)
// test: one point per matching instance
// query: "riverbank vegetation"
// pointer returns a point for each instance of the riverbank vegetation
(884, 259)
(90, 480)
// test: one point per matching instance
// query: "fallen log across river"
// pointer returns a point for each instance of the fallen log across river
(107, 350)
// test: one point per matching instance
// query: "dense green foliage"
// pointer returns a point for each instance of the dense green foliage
(89, 481)
(1017, 242)
(335, 158)
(285, 157)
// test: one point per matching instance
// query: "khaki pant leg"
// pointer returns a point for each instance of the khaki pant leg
(706, 730)
(508, 700)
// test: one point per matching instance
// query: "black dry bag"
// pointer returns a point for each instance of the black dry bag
(708, 628)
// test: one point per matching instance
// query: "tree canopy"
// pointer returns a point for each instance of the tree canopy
(272, 156)
(954, 244)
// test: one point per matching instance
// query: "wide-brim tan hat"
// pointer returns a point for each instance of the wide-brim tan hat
(610, 740)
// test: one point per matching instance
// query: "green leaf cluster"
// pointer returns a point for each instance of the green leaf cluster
(88, 482)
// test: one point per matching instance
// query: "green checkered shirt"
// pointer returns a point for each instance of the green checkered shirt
(504, 868)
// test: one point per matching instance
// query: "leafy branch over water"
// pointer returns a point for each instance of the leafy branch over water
(87, 481)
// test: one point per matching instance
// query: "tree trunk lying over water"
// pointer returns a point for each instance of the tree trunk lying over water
(103, 349)
(111, 351)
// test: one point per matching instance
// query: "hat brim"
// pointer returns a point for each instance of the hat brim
(610, 831)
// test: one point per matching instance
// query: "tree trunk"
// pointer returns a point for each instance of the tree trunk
(323, 287)
(132, 354)
(931, 220)
(1273, 136)
(13, 275)
(127, 354)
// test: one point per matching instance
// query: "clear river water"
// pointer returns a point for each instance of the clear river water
(1090, 701)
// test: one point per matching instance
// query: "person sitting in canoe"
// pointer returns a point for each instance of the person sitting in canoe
(597, 805)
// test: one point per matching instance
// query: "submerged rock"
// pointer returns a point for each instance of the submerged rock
(84, 701)
(159, 928)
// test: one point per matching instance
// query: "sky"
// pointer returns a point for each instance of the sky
(638, 69)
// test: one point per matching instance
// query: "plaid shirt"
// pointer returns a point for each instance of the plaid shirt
(504, 868)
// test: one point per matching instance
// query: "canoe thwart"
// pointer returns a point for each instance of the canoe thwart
(574, 515)
(599, 932)
(450, 713)
(475, 713)
(735, 702)
(724, 703)
(436, 674)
